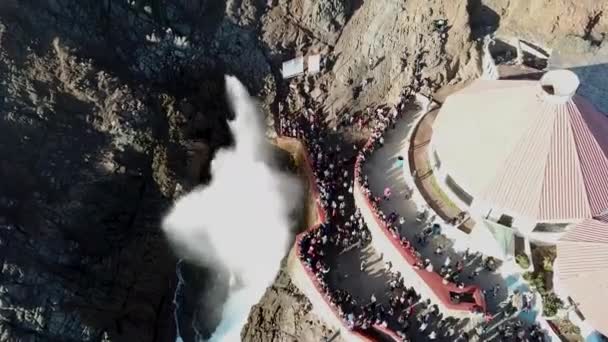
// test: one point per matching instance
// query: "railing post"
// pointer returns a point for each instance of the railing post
(332, 337)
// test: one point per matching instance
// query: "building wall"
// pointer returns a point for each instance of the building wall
(479, 208)
(441, 175)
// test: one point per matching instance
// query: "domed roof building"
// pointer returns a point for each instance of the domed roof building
(581, 272)
(530, 155)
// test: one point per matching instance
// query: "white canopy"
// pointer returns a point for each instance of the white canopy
(293, 67)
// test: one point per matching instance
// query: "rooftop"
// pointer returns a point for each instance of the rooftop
(532, 147)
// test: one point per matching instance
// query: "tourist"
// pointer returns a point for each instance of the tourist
(447, 261)
(439, 250)
(495, 290)
(399, 163)
(465, 256)
(408, 194)
(490, 264)
(440, 25)
(387, 193)
(389, 265)
(459, 266)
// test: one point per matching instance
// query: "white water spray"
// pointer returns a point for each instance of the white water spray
(241, 219)
(178, 288)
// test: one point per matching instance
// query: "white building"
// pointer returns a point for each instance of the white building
(531, 156)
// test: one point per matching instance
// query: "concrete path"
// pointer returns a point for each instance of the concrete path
(383, 172)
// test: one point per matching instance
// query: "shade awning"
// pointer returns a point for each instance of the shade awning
(493, 239)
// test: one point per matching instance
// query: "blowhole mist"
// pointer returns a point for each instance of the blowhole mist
(240, 221)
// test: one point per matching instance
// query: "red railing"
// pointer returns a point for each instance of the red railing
(388, 332)
(321, 217)
(432, 279)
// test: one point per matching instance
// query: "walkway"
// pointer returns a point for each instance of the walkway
(345, 267)
(382, 172)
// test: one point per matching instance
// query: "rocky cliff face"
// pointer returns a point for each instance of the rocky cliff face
(379, 46)
(285, 314)
(110, 108)
(84, 175)
(544, 22)
(105, 115)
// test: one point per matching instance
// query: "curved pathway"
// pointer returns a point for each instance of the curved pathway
(383, 171)
(341, 264)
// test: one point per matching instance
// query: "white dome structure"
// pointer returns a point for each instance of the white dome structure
(533, 150)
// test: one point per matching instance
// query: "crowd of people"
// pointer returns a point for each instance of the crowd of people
(451, 270)
(345, 227)
(511, 330)
(394, 222)
(343, 231)
(405, 314)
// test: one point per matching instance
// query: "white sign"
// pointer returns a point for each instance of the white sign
(293, 67)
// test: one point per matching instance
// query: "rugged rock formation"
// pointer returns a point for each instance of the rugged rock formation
(84, 175)
(284, 314)
(104, 117)
(543, 22)
(378, 47)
